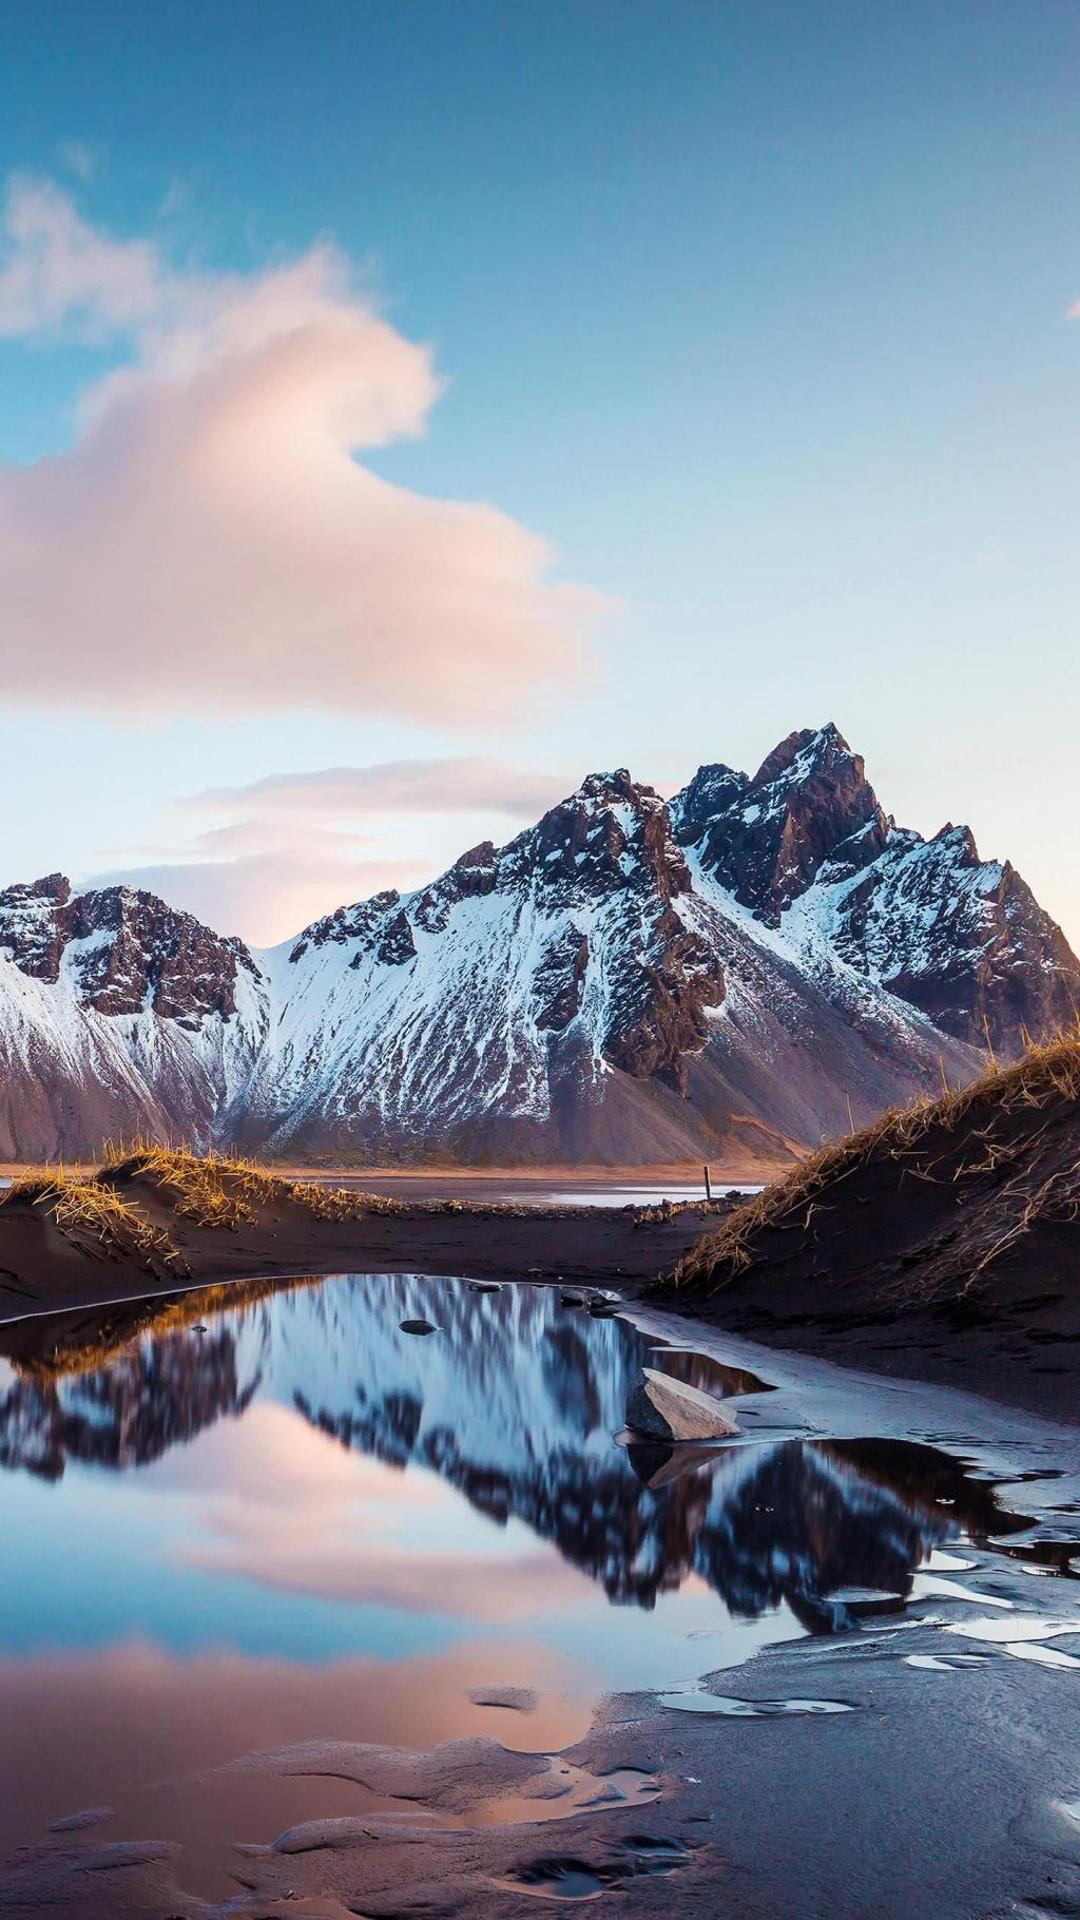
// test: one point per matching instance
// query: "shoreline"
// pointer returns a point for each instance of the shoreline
(493, 1185)
(159, 1223)
(999, 1354)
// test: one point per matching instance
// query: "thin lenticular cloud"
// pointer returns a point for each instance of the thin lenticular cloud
(464, 785)
(222, 547)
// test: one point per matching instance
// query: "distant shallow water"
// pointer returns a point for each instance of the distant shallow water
(617, 1196)
(613, 1194)
(526, 1190)
(293, 1520)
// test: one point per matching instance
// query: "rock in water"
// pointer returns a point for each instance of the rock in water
(669, 1409)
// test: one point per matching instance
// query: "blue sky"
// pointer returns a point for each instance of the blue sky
(757, 314)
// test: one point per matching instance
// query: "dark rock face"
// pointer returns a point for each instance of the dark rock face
(128, 952)
(962, 940)
(766, 839)
(470, 878)
(611, 844)
(590, 842)
(364, 921)
(758, 963)
(662, 1015)
(558, 981)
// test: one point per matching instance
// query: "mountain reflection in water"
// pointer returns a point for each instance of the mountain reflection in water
(269, 1515)
(513, 1405)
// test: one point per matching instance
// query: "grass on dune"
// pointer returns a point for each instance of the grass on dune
(909, 1136)
(85, 1208)
(113, 1204)
(225, 1190)
(211, 1190)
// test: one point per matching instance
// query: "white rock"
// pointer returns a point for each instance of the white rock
(669, 1409)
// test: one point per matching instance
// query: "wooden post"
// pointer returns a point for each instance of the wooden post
(708, 1183)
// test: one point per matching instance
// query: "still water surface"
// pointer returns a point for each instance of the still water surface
(291, 1519)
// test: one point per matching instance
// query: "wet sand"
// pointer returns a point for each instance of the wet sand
(938, 1796)
(1017, 1343)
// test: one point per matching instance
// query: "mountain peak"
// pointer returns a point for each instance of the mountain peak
(804, 754)
(52, 886)
(607, 789)
(125, 951)
(766, 839)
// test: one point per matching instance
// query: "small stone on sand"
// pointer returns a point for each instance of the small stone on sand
(87, 1817)
(521, 1699)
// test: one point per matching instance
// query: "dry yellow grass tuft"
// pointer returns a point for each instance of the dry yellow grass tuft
(1046, 1074)
(225, 1190)
(210, 1189)
(84, 1209)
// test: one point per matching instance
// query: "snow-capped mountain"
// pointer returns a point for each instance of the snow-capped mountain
(749, 966)
(118, 1016)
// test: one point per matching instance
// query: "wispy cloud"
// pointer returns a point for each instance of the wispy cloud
(293, 846)
(79, 157)
(64, 278)
(222, 546)
(462, 785)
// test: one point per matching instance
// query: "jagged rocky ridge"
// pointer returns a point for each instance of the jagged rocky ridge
(753, 965)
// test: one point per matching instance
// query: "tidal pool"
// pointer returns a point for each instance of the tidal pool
(290, 1519)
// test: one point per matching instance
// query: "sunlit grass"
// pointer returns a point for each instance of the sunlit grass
(909, 1136)
(84, 1208)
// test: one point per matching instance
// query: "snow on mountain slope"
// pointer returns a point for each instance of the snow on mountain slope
(117, 1016)
(749, 968)
(806, 847)
(485, 1013)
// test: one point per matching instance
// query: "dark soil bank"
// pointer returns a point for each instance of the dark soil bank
(943, 1242)
(57, 1255)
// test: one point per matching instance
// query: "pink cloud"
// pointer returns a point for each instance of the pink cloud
(463, 785)
(60, 275)
(481, 1587)
(222, 547)
(286, 1507)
